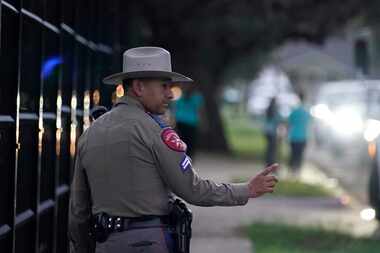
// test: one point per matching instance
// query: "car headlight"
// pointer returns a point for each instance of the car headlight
(372, 130)
(322, 112)
(347, 121)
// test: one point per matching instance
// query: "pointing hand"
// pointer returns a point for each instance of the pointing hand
(264, 182)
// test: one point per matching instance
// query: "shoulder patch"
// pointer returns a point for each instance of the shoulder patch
(185, 163)
(172, 140)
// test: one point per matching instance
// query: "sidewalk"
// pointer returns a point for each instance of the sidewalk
(217, 229)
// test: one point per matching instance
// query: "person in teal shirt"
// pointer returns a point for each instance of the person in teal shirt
(298, 124)
(187, 115)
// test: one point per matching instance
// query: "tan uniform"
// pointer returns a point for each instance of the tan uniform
(128, 164)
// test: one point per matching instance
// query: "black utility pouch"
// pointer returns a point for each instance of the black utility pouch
(101, 227)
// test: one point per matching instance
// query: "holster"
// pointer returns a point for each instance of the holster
(102, 226)
(180, 221)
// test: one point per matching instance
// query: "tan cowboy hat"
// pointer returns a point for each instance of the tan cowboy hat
(146, 62)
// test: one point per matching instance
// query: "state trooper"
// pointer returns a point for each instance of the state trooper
(130, 165)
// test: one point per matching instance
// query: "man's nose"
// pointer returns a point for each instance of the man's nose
(170, 94)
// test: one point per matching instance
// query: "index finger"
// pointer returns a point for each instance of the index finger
(269, 169)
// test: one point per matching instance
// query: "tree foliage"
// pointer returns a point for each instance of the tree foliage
(210, 37)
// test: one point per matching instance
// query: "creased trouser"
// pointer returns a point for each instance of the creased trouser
(157, 240)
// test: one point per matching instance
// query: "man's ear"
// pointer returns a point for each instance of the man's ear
(137, 87)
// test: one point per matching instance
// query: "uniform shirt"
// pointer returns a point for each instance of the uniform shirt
(128, 164)
(298, 121)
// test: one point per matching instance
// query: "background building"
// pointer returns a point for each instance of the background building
(344, 55)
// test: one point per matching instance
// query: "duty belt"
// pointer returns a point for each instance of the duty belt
(103, 224)
(139, 223)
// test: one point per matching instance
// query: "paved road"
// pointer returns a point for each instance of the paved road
(348, 162)
(218, 229)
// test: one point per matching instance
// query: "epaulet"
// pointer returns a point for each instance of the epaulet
(158, 120)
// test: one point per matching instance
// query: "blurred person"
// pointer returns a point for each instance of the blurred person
(113, 98)
(96, 97)
(130, 166)
(97, 111)
(187, 115)
(298, 123)
(272, 121)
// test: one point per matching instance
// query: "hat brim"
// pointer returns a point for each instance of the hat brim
(173, 76)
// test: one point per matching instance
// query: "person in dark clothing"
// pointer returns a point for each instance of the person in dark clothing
(270, 129)
(96, 112)
(187, 114)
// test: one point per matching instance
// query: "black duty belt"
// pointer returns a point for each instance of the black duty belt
(140, 223)
(103, 224)
(179, 221)
(108, 223)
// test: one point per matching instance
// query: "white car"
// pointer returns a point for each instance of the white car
(348, 110)
(347, 117)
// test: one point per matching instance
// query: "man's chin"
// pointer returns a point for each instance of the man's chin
(157, 110)
(161, 111)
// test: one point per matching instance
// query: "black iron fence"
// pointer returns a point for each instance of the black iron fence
(53, 56)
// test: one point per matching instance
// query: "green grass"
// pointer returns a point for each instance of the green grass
(246, 138)
(277, 238)
(293, 188)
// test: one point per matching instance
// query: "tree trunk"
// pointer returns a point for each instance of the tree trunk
(212, 137)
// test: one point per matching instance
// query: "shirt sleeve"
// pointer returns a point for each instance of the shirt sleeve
(79, 210)
(176, 170)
